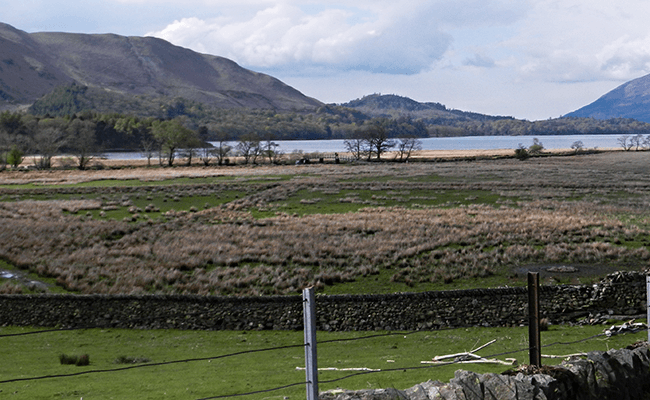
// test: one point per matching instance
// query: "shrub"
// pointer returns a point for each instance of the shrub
(79, 361)
(15, 157)
(577, 146)
(83, 360)
(536, 147)
(521, 153)
(67, 360)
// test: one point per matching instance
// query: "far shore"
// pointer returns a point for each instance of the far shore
(390, 155)
(64, 171)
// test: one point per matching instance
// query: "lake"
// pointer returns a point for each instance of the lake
(550, 142)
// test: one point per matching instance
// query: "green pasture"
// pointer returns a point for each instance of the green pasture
(327, 201)
(319, 200)
(211, 374)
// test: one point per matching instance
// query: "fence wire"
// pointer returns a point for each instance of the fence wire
(148, 365)
(360, 373)
(420, 367)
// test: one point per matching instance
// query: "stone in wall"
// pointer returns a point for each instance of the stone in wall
(613, 375)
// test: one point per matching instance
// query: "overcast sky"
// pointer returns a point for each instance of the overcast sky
(531, 59)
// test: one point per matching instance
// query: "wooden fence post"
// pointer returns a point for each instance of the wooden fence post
(533, 320)
(647, 281)
(311, 365)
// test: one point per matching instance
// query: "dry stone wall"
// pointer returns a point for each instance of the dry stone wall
(620, 294)
(614, 375)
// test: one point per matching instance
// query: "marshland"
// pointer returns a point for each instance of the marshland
(378, 227)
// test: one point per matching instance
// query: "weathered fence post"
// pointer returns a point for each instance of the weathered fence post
(533, 320)
(647, 300)
(311, 365)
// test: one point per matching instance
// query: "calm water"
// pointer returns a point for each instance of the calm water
(456, 143)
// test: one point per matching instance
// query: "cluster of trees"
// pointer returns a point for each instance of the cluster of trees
(636, 142)
(523, 152)
(559, 126)
(377, 139)
(85, 136)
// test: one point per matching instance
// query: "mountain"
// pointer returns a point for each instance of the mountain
(393, 106)
(34, 64)
(630, 100)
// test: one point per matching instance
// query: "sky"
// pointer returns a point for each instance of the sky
(530, 59)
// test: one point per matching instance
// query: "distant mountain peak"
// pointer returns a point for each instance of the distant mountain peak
(629, 100)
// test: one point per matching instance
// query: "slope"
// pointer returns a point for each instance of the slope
(38, 62)
(630, 100)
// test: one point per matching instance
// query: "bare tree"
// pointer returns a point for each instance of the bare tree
(625, 142)
(82, 141)
(270, 150)
(149, 145)
(646, 142)
(4, 147)
(46, 143)
(248, 147)
(206, 153)
(356, 144)
(378, 141)
(222, 149)
(636, 141)
(193, 145)
(406, 146)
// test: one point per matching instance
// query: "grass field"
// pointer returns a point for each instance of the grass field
(349, 228)
(38, 355)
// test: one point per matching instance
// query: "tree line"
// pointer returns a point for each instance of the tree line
(85, 135)
(182, 127)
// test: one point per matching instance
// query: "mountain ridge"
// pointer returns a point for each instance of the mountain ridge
(33, 64)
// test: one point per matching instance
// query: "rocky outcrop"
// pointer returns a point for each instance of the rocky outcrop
(616, 374)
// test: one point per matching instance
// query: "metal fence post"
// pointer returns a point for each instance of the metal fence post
(533, 320)
(311, 365)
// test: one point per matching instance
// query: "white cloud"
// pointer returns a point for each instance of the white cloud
(527, 58)
(341, 38)
(576, 41)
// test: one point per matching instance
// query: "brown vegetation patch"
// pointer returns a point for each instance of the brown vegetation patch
(564, 210)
